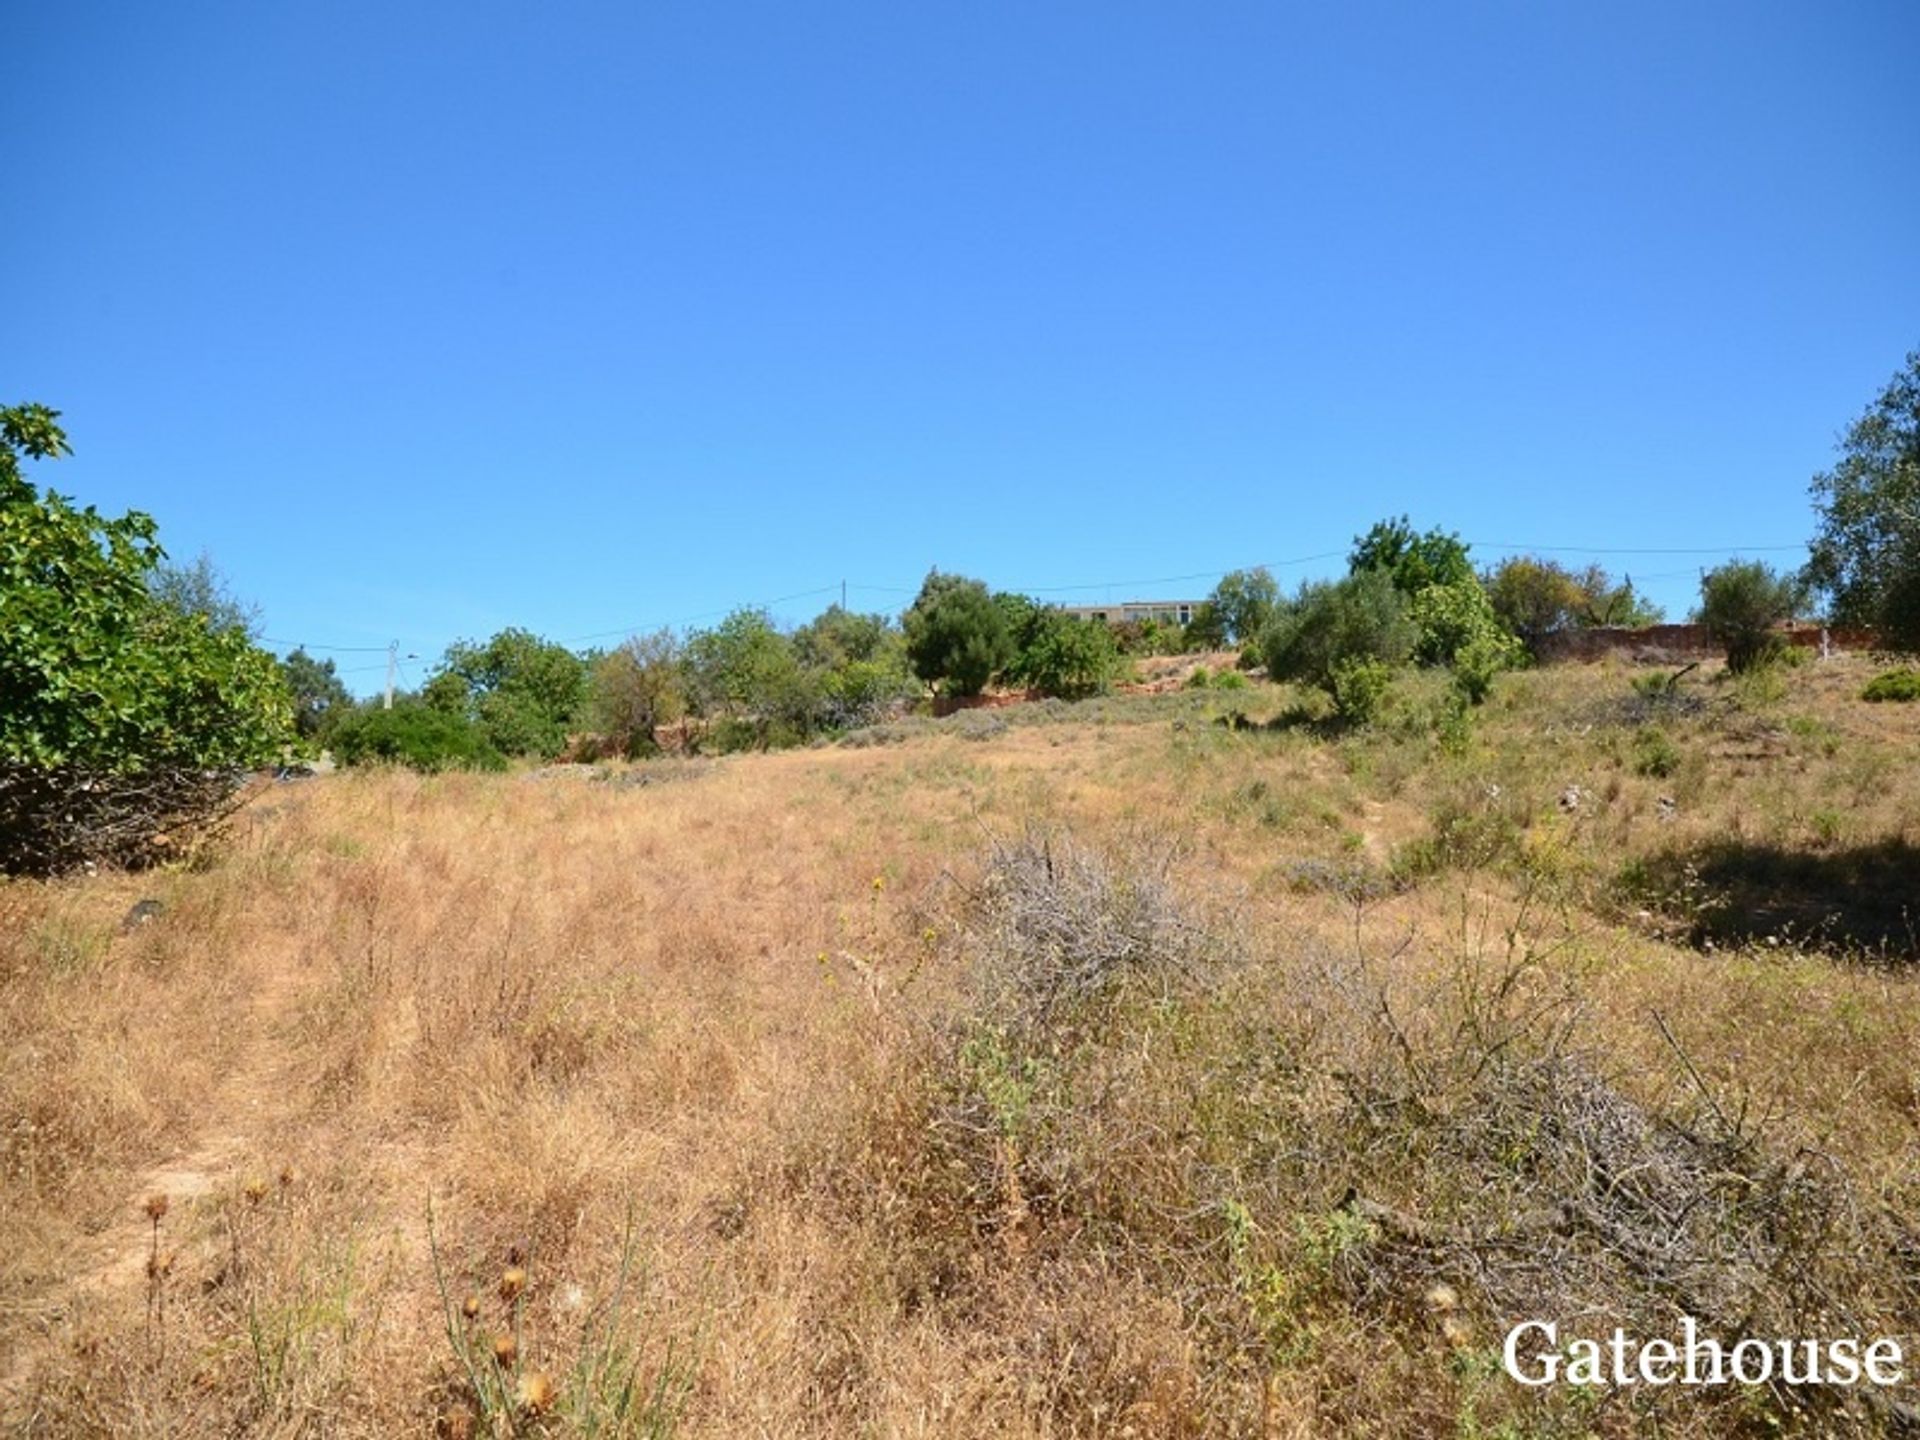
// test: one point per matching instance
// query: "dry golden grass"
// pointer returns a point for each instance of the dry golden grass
(682, 1082)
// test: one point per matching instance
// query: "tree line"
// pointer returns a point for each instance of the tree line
(135, 694)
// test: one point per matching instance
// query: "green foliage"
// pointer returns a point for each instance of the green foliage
(1866, 556)
(1207, 630)
(745, 678)
(1536, 598)
(94, 673)
(123, 720)
(859, 663)
(33, 431)
(200, 590)
(525, 693)
(1359, 684)
(1740, 602)
(1363, 617)
(1414, 561)
(414, 733)
(1458, 614)
(318, 693)
(837, 637)
(634, 690)
(1899, 686)
(1654, 753)
(1480, 659)
(1150, 637)
(1242, 603)
(957, 637)
(1058, 654)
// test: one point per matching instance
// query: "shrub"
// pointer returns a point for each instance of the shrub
(1900, 686)
(1479, 660)
(1654, 753)
(1740, 603)
(124, 721)
(957, 637)
(415, 734)
(1362, 617)
(1358, 684)
(1458, 616)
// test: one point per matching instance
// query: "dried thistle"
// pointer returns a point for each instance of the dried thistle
(535, 1391)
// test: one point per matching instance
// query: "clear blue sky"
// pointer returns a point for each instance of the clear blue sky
(426, 319)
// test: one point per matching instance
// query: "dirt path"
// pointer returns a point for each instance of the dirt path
(110, 1268)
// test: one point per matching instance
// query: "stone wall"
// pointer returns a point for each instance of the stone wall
(1660, 643)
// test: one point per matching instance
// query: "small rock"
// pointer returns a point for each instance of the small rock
(1666, 807)
(1570, 799)
(140, 914)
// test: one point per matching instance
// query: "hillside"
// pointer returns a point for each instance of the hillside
(1171, 1065)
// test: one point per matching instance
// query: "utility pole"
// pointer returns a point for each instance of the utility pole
(393, 664)
(843, 594)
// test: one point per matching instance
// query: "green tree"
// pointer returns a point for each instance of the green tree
(1866, 557)
(746, 680)
(837, 637)
(1329, 626)
(1242, 603)
(1536, 598)
(1413, 560)
(957, 637)
(122, 719)
(200, 589)
(859, 666)
(1207, 630)
(319, 695)
(1458, 615)
(635, 689)
(525, 693)
(1058, 654)
(1740, 603)
(421, 736)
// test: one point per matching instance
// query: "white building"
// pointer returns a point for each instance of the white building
(1166, 612)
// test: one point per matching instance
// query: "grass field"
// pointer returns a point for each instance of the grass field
(1164, 1065)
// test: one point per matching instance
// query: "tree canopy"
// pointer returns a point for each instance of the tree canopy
(120, 715)
(1866, 556)
(957, 637)
(1413, 561)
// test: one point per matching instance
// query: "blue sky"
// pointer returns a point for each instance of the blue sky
(428, 319)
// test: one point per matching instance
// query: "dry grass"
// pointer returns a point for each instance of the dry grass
(815, 1093)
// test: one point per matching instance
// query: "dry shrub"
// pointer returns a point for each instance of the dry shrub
(1057, 928)
(1281, 1158)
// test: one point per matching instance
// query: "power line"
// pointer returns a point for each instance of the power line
(1605, 550)
(337, 649)
(707, 614)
